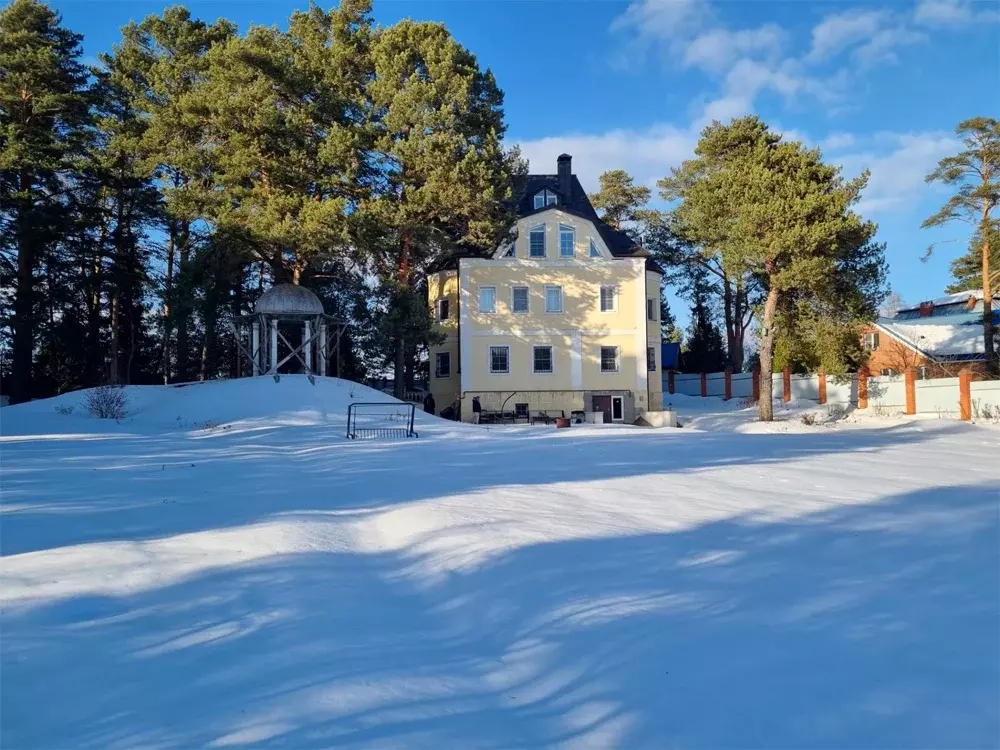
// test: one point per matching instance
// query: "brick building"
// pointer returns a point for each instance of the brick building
(939, 337)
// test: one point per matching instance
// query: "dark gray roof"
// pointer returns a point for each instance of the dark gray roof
(577, 203)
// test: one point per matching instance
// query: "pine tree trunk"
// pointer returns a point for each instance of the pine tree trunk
(991, 353)
(736, 353)
(116, 302)
(183, 316)
(403, 280)
(209, 316)
(766, 413)
(167, 289)
(237, 310)
(24, 312)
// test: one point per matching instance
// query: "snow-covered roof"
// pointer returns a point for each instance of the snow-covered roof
(948, 299)
(289, 298)
(956, 337)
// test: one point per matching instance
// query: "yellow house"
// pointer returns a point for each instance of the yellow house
(564, 319)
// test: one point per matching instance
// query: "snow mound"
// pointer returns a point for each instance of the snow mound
(212, 405)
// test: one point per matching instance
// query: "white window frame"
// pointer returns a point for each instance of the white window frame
(479, 301)
(437, 365)
(538, 229)
(565, 229)
(527, 297)
(889, 372)
(562, 301)
(651, 358)
(618, 358)
(595, 251)
(871, 341)
(552, 359)
(652, 310)
(543, 198)
(440, 303)
(614, 298)
(923, 372)
(489, 359)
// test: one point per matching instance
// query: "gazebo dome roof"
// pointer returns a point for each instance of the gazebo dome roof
(289, 299)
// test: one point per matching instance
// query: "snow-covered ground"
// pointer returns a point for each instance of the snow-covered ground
(223, 568)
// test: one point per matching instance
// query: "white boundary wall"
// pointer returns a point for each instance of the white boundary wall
(742, 385)
(984, 393)
(687, 385)
(887, 392)
(937, 396)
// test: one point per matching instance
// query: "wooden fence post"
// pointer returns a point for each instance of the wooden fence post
(822, 386)
(786, 384)
(756, 384)
(729, 384)
(863, 388)
(670, 380)
(965, 378)
(911, 390)
(704, 384)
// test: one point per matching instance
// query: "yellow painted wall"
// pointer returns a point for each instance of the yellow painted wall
(576, 334)
(444, 285)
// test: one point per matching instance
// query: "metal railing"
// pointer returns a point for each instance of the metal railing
(383, 415)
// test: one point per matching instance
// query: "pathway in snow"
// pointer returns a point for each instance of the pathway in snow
(266, 581)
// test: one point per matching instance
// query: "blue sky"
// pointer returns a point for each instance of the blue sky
(629, 85)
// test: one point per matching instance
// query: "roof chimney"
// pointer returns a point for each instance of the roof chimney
(565, 170)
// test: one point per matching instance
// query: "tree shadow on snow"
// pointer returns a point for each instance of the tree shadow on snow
(869, 625)
(152, 487)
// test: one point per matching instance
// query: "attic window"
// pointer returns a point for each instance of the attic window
(545, 198)
(594, 252)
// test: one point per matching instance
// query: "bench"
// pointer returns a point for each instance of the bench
(548, 416)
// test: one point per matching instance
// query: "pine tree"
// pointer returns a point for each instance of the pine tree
(668, 326)
(777, 212)
(45, 106)
(445, 178)
(975, 174)
(623, 205)
(703, 350)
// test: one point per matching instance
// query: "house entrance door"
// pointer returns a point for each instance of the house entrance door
(603, 404)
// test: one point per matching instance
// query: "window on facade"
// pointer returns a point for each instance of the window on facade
(609, 299)
(519, 299)
(443, 309)
(924, 372)
(651, 309)
(442, 365)
(889, 371)
(536, 242)
(594, 252)
(567, 241)
(545, 198)
(499, 359)
(609, 359)
(542, 359)
(553, 299)
(871, 341)
(487, 299)
(520, 411)
(651, 359)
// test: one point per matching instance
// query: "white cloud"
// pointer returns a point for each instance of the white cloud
(716, 50)
(936, 13)
(646, 154)
(664, 19)
(881, 46)
(897, 176)
(838, 32)
(836, 141)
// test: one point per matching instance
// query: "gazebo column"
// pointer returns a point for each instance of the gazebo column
(255, 345)
(307, 346)
(321, 353)
(274, 347)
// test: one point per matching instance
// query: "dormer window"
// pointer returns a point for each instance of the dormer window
(545, 198)
(567, 241)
